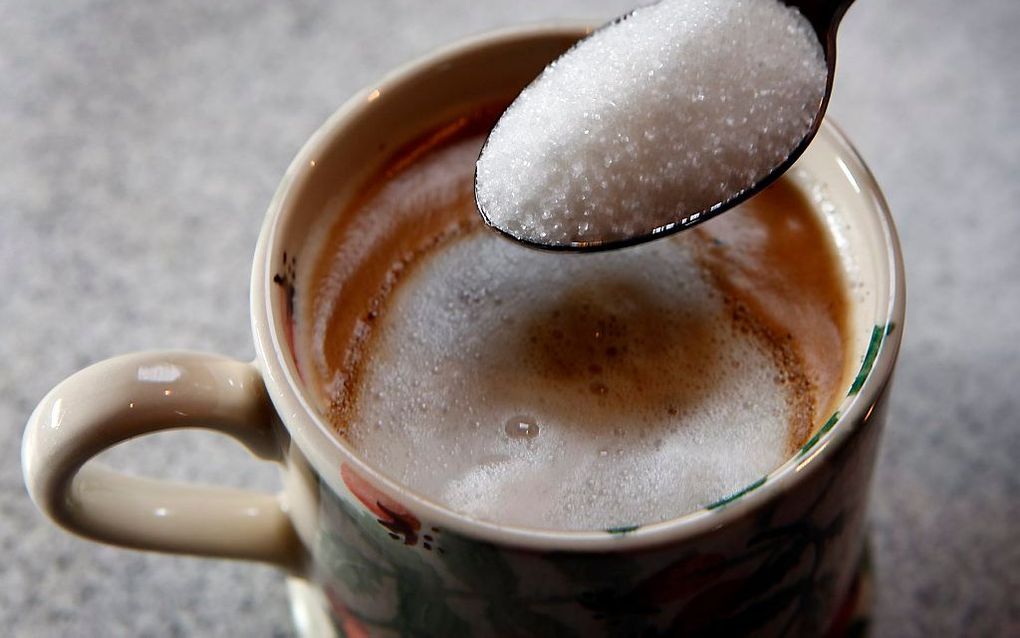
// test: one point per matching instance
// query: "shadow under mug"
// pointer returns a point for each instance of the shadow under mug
(367, 556)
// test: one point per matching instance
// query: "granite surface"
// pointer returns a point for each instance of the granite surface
(141, 143)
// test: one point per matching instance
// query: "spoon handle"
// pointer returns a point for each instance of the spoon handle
(824, 16)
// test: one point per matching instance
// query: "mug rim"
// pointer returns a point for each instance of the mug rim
(326, 452)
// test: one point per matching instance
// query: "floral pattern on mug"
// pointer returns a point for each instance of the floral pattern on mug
(402, 525)
(784, 571)
(286, 280)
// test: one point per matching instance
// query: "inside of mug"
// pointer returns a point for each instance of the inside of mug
(363, 136)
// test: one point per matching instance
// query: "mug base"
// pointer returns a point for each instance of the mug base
(308, 607)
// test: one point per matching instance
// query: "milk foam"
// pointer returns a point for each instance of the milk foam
(585, 392)
(439, 184)
(683, 104)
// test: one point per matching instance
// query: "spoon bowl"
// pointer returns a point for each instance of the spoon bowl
(824, 17)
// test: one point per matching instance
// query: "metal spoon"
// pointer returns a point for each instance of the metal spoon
(824, 17)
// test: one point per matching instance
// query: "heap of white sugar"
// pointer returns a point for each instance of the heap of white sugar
(681, 105)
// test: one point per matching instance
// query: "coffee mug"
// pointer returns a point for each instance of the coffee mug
(367, 556)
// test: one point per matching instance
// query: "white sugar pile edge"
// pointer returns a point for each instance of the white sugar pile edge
(679, 106)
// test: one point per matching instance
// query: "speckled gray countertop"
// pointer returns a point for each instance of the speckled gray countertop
(141, 143)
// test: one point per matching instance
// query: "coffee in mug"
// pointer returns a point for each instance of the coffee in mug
(567, 391)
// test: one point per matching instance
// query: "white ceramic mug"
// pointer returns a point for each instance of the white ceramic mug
(368, 555)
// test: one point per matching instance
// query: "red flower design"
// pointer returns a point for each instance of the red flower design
(390, 514)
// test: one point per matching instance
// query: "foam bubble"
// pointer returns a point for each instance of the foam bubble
(479, 391)
(679, 106)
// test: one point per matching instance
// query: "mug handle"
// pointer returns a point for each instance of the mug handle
(141, 393)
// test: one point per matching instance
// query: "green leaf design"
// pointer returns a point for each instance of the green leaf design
(364, 558)
(481, 566)
(352, 567)
(877, 335)
(623, 529)
(486, 571)
(828, 425)
(726, 500)
(422, 608)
